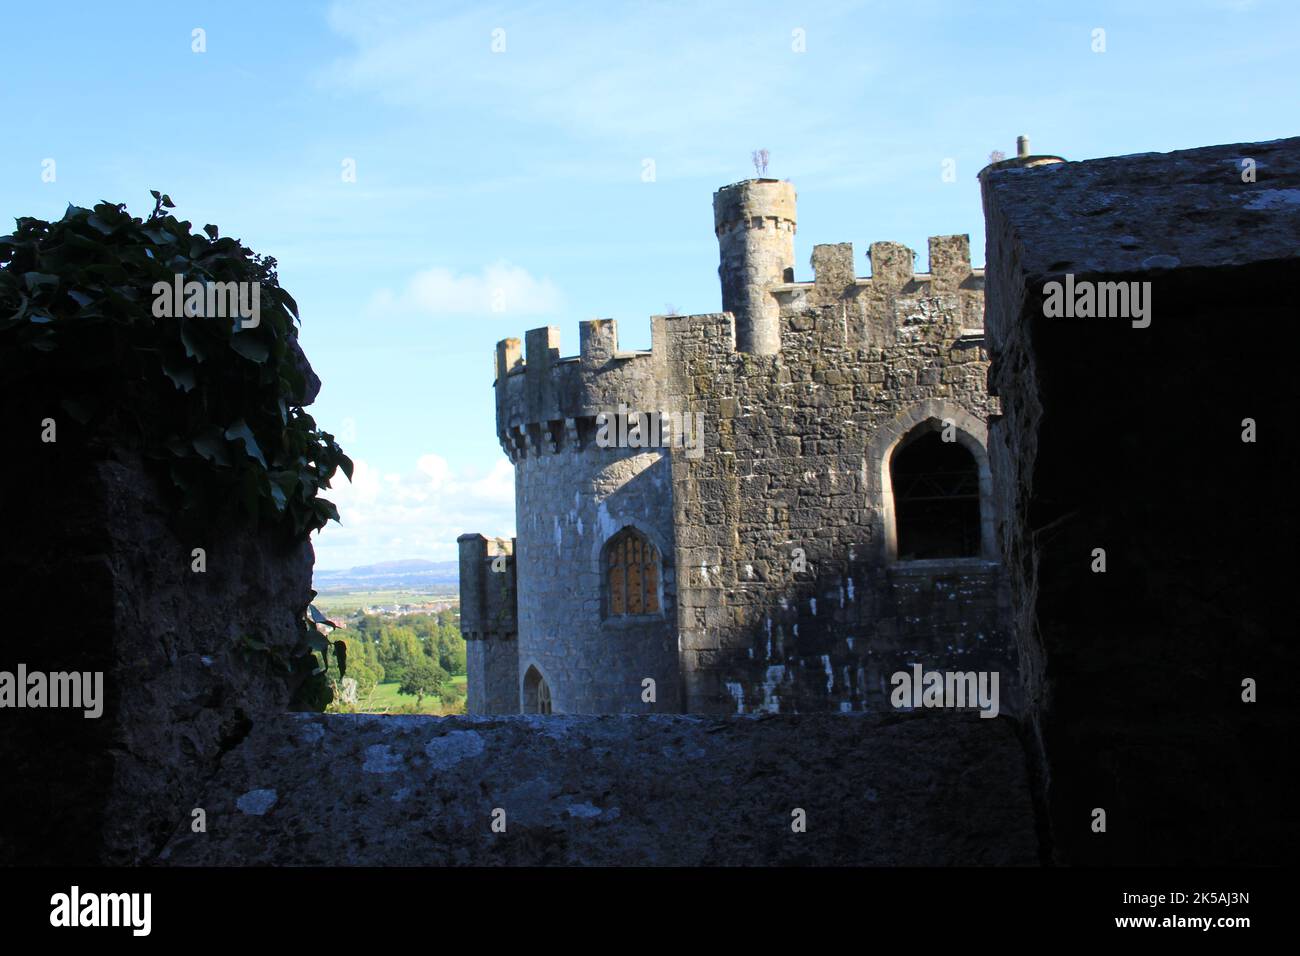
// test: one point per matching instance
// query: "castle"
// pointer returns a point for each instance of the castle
(816, 516)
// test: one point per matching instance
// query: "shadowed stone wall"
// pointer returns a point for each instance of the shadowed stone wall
(658, 790)
(108, 581)
(96, 573)
(1130, 440)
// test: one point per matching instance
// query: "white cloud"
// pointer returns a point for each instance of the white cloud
(500, 288)
(419, 513)
(436, 468)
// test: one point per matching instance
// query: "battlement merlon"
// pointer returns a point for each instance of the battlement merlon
(891, 270)
(487, 587)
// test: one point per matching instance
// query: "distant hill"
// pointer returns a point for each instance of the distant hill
(387, 575)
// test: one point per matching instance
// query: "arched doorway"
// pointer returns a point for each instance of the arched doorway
(936, 498)
(537, 693)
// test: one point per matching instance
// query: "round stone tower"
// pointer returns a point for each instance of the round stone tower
(595, 550)
(755, 224)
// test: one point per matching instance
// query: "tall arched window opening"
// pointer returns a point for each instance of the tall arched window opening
(936, 499)
(631, 575)
(537, 694)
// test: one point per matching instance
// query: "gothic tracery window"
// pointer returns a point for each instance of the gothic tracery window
(537, 693)
(631, 575)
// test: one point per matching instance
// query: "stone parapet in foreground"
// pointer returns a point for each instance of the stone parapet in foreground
(919, 789)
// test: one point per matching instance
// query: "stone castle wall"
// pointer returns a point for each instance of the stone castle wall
(796, 457)
(782, 588)
(100, 571)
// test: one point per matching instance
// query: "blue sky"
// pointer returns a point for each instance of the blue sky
(522, 170)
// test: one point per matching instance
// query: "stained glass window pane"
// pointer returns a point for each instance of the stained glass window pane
(617, 588)
(633, 575)
(635, 604)
(652, 582)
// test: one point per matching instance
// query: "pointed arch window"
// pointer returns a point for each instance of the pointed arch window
(631, 575)
(537, 693)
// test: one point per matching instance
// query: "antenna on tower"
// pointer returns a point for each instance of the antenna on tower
(760, 157)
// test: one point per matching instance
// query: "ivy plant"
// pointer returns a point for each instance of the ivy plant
(216, 402)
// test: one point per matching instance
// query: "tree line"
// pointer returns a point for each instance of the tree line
(420, 652)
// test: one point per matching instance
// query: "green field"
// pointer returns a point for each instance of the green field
(385, 697)
(339, 602)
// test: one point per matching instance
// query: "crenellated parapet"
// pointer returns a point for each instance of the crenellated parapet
(950, 293)
(892, 271)
(547, 404)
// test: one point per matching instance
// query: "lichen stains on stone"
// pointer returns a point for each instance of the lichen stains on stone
(453, 747)
(312, 733)
(256, 802)
(381, 759)
(1274, 199)
(553, 726)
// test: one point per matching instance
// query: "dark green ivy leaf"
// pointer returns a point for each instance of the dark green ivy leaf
(35, 279)
(190, 339)
(211, 447)
(250, 347)
(22, 306)
(182, 376)
(290, 304)
(240, 431)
